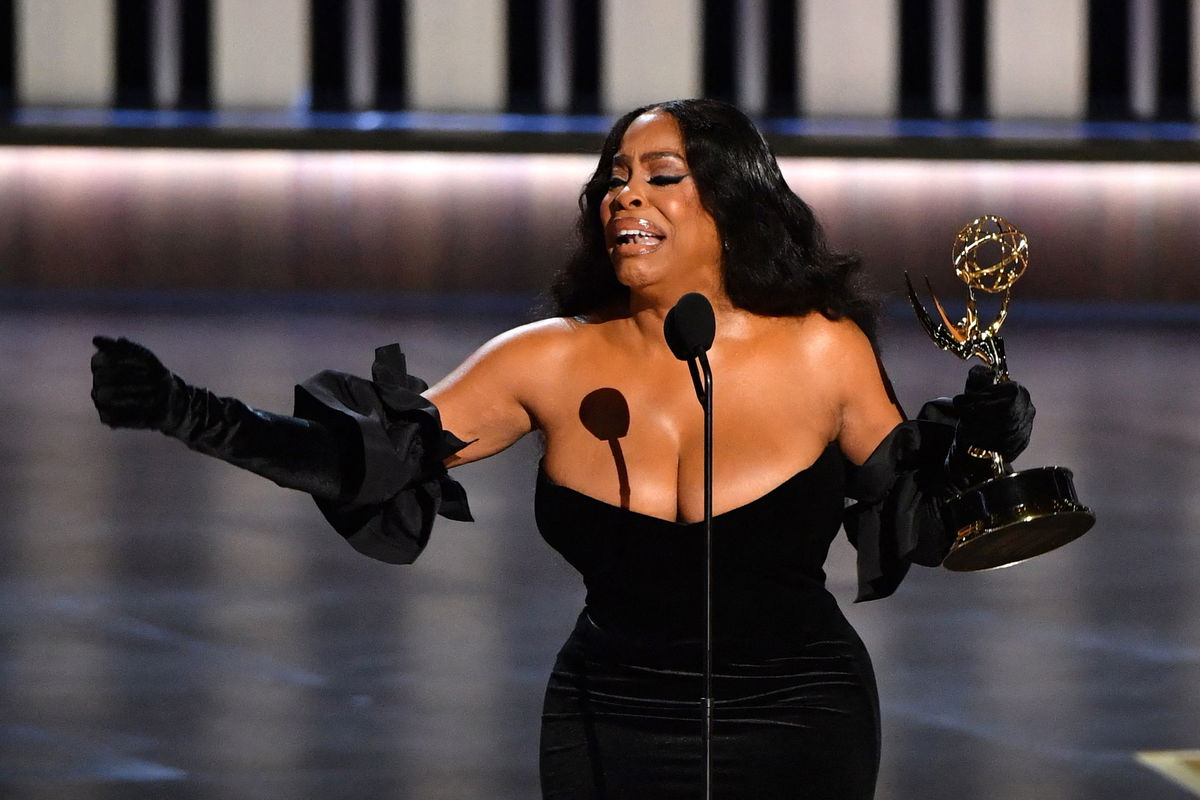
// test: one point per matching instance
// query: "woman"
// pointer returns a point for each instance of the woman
(687, 197)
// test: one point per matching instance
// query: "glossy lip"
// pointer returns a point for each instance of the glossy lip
(617, 224)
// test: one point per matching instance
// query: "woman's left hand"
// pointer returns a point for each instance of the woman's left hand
(995, 416)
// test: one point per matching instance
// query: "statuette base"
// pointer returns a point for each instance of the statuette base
(1012, 518)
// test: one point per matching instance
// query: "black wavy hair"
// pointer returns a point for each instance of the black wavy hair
(775, 261)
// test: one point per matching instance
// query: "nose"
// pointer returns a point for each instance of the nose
(627, 197)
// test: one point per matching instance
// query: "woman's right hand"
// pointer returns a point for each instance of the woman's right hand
(130, 386)
(994, 415)
(132, 389)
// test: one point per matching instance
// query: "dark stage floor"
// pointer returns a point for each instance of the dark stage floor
(174, 628)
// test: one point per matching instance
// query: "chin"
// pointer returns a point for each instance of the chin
(633, 272)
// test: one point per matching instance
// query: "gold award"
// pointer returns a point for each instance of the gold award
(1004, 517)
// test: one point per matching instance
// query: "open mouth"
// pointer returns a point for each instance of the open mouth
(629, 236)
(634, 236)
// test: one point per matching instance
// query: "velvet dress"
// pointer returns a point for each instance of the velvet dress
(796, 713)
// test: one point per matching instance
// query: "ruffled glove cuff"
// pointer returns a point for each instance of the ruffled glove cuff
(403, 482)
(896, 519)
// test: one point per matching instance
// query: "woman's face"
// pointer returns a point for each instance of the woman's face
(655, 228)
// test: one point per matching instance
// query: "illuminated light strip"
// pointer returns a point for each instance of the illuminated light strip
(260, 59)
(834, 85)
(63, 53)
(634, 71)
(556, 56)
(1037, 59)
(1143, 59)
(752, 38)
(165, 43)
(1195, 59)
(831, 174)
(456, 57)
(362, 37)
(1195, 38)
(947, 58)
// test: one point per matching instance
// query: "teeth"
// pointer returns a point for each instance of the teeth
(627, 236)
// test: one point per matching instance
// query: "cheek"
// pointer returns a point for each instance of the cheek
(702, 227)
(703, 234)
(606, 208)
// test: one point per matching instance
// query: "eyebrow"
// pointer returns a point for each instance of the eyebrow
(621, 158)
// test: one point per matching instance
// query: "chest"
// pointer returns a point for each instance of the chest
(632, 434)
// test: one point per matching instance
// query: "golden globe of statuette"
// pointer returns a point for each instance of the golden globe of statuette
(1005, 517)
(1004, 248)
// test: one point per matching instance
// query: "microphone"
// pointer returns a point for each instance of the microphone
(690, 326)
(689, 330)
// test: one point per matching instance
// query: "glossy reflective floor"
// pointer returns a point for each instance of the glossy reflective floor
(174, 628)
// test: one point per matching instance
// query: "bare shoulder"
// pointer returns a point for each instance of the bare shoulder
(535, 335)
(814, 338)
(546, 338)
(516, 357)
(868, 409)
(822, 333)
(491, 399)
(839, 366)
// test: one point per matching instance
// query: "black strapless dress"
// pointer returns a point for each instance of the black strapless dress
(796, 712)
(795, 708)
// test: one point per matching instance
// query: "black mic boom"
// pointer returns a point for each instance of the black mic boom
(690, 326)
(689, 330)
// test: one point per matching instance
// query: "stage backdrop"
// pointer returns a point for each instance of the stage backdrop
(395, 222)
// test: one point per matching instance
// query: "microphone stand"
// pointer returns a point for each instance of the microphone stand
(704, 393)
(689, 329)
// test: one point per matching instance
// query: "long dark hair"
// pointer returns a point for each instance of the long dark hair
(775, 261)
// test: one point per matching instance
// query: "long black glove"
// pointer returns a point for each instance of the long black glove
(899, 490)
(993, 416)
(132, 389)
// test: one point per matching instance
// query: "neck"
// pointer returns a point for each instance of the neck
(648, 310)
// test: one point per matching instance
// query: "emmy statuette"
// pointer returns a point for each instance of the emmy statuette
(1003, 517)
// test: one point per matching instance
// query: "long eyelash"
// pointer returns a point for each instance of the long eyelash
(658, 180)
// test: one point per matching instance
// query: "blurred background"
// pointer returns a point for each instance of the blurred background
(260, 189)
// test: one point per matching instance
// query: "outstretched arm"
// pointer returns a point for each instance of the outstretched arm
(370, 452)
(132, 389)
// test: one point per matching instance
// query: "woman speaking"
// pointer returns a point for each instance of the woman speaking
(687, 197)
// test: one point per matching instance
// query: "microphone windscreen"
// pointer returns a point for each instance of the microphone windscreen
(690, 326)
